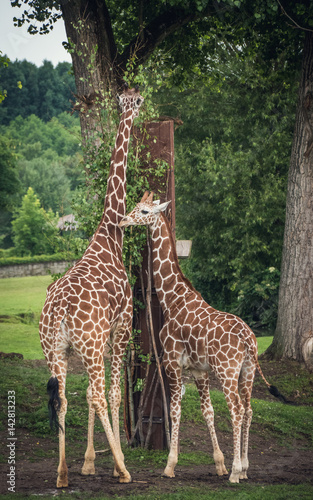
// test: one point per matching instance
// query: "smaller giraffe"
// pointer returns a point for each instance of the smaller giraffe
(199, 338)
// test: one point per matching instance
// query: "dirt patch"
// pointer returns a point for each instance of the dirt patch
(270, 463)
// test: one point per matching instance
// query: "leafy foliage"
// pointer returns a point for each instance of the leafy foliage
(45, 91)
(4, 61)
(28, 259)
(49, 181)
(44, 156)
(231, 178)
(34, 229)
(9, 189)
(8, 174)
(32, 137)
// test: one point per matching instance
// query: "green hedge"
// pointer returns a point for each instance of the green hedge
(55, 257)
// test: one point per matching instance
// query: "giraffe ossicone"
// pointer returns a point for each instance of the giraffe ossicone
(89, 304)
(198, 337)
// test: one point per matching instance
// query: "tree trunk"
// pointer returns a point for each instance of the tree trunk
(293, 338)
(93, 51)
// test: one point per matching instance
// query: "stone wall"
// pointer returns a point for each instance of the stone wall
(34, 269)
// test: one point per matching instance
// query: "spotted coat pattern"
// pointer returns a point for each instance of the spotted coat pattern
(197, 337)
(91, 302)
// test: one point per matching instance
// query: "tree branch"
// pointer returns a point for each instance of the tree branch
(292, 20)
(155, 32)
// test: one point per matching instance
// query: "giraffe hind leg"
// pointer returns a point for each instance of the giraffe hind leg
(202, 384)
(88, 467)
(61, 408)
(119, 345)
(236, 409)
(97, 383)
(245, 389)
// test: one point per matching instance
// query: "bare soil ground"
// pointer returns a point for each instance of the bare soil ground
(270, 462)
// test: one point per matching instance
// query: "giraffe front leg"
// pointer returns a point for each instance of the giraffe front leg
(173, 372)
(88, 467)
(169, 470)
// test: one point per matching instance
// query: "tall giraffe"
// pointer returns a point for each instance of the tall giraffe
(199, 338)
(91, 302)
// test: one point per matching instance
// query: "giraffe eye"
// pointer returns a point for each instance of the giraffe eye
(138, 102)
(145, 212)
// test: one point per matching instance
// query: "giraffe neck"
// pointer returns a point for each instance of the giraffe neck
(169, 281)
(115, 198)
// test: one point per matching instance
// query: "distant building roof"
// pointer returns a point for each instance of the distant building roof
(67, 223)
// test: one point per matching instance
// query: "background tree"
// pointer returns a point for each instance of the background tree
(4, 61)
(9, 190)
(45, 91)
(48, 157)
(50, 182)
(44, 156)
(34, 229)
(231, 162)
(294, 334)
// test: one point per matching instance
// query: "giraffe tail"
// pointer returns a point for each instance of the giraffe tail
(272, 388)
(54, 403)
(252, 347)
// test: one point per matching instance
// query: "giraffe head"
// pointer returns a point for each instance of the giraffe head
(145, 213)
(130, 100)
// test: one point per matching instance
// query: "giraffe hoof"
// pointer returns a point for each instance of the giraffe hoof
(234, 477)
(243, 475)
(125, 478)
(62, 482)
(222, 471)
(88, 470)
(168, 473)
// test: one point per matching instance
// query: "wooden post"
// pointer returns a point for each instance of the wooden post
(151, 405)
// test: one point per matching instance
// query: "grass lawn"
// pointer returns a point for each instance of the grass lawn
(21, 338)
(23, 295)
(263, 343)
(21, 301)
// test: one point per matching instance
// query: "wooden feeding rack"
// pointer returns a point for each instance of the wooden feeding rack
(147, 395)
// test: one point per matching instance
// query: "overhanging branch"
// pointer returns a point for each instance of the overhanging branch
(153, 34)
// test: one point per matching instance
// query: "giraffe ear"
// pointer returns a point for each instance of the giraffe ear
(160, 208)
(156, 202)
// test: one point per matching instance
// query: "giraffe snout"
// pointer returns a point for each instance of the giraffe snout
(126, 221)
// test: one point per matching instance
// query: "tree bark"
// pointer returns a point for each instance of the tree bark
(93, 50)
(293, 338)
